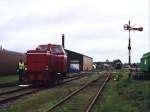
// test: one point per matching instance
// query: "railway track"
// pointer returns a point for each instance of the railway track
(12, 84)
(15, 94)
(8, 84)
(12, 87)
(99, 92)
(73, 101)
(5, 98)
(15, 89)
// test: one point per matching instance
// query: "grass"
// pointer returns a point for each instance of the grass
(45, 99)
(125, 96)
(8, 78)
(119, 96)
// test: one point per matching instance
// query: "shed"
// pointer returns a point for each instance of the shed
(78, 61)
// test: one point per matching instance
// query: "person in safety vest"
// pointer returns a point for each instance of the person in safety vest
(20, 69)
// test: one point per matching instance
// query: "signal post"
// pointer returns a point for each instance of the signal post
(129, 28)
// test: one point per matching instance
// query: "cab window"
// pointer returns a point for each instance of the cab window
(57, 49)
(42, 48)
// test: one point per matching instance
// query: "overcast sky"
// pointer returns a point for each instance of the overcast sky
(91, 27)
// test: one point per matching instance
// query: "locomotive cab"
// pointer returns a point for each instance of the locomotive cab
(47, 63)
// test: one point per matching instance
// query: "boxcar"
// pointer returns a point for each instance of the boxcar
(145, 63)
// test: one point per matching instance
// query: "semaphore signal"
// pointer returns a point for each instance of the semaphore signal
(129, 28)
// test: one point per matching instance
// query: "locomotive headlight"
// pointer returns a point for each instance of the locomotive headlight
(25, 69)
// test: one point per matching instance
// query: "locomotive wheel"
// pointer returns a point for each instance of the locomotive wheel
(35, 83)
(63, 74)
(59, 79)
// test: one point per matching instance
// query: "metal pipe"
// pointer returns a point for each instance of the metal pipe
(63, 40)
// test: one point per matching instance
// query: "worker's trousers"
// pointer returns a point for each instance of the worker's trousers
(21, 76)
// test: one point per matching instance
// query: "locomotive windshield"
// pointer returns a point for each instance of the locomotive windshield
(42, 48)
(57, 49)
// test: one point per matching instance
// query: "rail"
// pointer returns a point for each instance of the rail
(77, 91)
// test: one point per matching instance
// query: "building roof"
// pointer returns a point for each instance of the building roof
(77, 53)
(146, 54)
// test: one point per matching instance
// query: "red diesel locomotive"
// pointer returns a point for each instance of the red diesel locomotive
(47, 63)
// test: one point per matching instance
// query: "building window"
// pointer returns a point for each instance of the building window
(145, 62)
